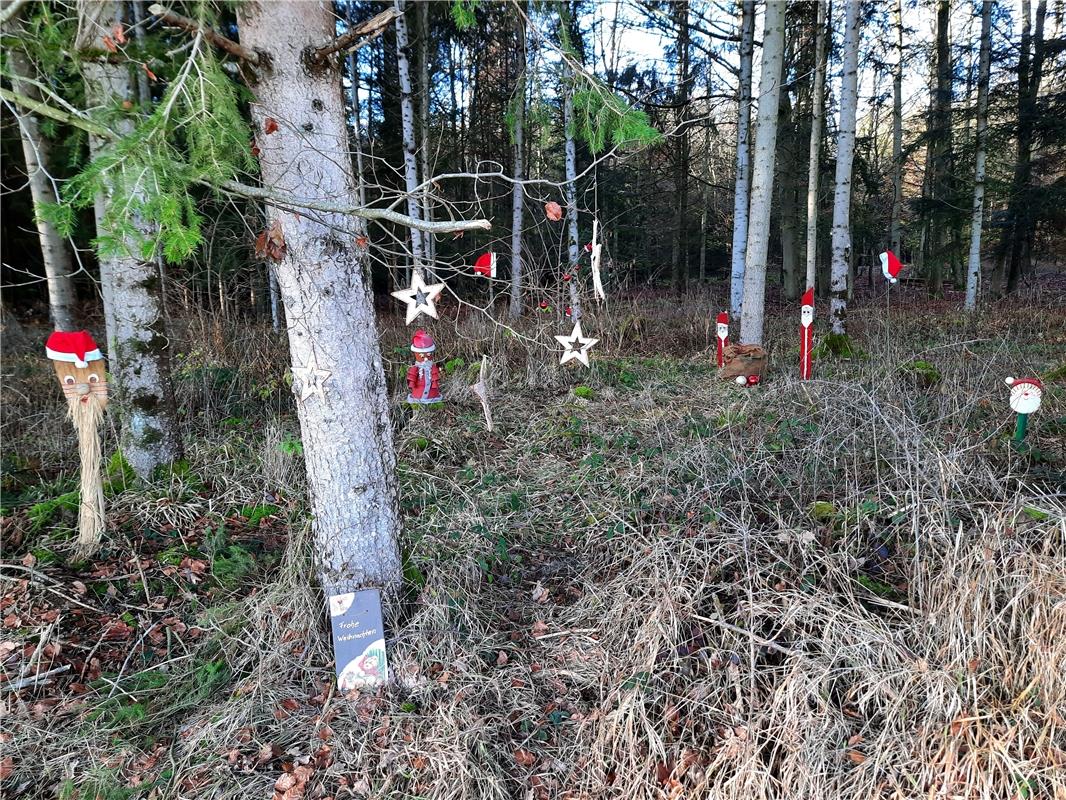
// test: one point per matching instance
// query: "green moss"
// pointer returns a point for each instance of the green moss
(584, 392)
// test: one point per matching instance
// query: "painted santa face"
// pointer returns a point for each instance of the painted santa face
(1025, 398)
(806, 316)
(420, 357)
(723, 330)
(82, 384)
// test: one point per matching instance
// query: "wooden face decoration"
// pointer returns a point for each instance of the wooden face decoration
(1025, 394)
(80, 368)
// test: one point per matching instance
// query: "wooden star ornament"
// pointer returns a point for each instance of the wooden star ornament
(421, 297)
(308, 379)
(577, 345)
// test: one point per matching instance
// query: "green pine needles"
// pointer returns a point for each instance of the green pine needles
(600, 116)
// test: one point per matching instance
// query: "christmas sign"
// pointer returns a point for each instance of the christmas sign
(486, 265)
(358, 640)
(421, 297)
(806, 333)
(423, 377)
(890, 266)
(1025, 397)
(721, 328)
(82, 374)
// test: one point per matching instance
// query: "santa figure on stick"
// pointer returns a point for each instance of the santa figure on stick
(806, 333)
(721, 326)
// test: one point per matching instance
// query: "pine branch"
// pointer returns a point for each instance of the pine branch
(176, 20)
(355, 38)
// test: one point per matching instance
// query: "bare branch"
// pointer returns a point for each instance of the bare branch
(10, 10)
(176, 20)
(45, 110)
(355, 38)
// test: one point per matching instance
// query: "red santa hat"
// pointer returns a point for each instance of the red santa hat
(808, 298)
(422, 342)
(890, 266)
(1034, 382)
(723, 318)
(76, 347)
(486, 265)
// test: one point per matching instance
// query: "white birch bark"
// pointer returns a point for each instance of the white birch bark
(428, 242)
(973, 272)
(742, 195)
(817, 126)
(517, 190)
(54, 252)
(407, 120)
(324, 280)
(573, 243)
(841, 251)
(137, 342)
(897, 137)
(762, 178)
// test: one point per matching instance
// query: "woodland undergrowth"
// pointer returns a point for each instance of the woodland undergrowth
(644, 583)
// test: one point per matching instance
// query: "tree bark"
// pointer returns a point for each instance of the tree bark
(973, 271)
(762, 180)
(407, 121)
(841, 255)
(814, 152)
(940, 154)
(518, 190)
(897, 138)
(679, 256)
(742, 193)
(138, 355)
(573, 242)
(324, 280)
(36, 149)
(428, 241)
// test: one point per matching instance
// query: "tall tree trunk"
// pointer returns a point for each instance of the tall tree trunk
(742, 193)
(428, 242)
(357, 118)
(138, 358)
(973, 271)
(407, 119)
(705, 190)
(897, 138)
(36, 150)
(940, 152)
(338, 376)
(1030, 75)
(518, 190)
(841, 257)
(814, 152)
(572, 233)
(762, 179)
(679, 258)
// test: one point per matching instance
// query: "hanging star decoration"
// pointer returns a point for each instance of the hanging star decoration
(421, 297)
(577, 345)
(308, 379)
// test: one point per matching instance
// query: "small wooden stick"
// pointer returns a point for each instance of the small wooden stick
(192, 26)
(355, 37)
(481, 389)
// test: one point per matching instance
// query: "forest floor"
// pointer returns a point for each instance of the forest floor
(645, 583)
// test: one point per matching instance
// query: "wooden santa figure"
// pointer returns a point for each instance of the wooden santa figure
(806, 333)
(890, 266)
(82, 374)
(722, 334)
(423, 377)
(1025, 397)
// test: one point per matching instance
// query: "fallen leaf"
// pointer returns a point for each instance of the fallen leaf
(109, 44)
(524, 757)
(502, 658)
(79, 587)
(119, 35)
(7, 766)
(29, 560)
(856, 756)
(270, 125)
(540, 594)
(540, 627)
(553, 211)
(271, 242)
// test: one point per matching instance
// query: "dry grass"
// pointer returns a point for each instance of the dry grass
(851, 587)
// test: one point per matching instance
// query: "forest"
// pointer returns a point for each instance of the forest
(535, 399)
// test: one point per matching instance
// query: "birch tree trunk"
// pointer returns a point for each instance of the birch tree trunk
(814, 152)
(742, 193)
(407, 120)
(35, 149)
(897, 137)
(339, 380)
(517, 190)
(762, 179)
(841, 253)
(573, 246)
(137, 341)
(428, 242)
(973, 271)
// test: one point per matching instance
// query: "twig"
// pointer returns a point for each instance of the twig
(749, 634)
(21, 683)
(45, 110)
(176, 20)
(355, 38)
(10, 10)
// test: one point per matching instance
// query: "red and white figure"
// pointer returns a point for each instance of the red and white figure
(721, 327)
(82, 374)
(486, 265)
(1025, 394)
(806, 333)
(890, 266)
(423, 377)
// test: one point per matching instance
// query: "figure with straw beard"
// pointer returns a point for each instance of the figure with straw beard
(82, 374)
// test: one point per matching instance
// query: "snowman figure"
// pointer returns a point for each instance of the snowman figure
(1025, 397)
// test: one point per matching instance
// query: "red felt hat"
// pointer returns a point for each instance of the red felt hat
(808, 298)
(422, 342)
(76, 347)
(890, 266)
(723, 318)
(486, 265)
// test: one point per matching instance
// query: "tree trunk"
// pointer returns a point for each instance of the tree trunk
(407, 119)
(573, 242)
(428, 242)
(36, 149)
(814, 152)
(897, 138)
(518, 190)
(762, 179)
(357, 120)
(940, 154)
(681, 155)
(138, 358)
(841, 256)
(324, 280)
(973, 271)
(742, 193)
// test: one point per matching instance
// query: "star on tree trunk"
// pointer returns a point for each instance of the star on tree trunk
(308, 379)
